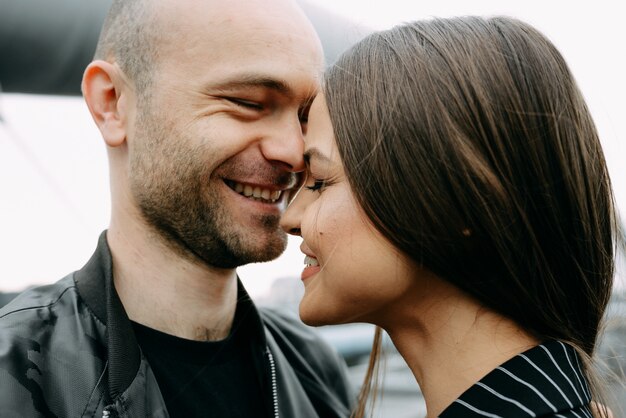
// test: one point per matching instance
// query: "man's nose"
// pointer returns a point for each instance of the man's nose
(285, 145)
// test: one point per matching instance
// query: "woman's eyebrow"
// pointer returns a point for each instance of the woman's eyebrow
(311, 153)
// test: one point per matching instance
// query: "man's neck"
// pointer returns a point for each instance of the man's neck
(164, 291)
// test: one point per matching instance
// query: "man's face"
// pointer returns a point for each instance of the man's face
(218, 139)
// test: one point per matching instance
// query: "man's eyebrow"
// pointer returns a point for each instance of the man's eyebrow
(311, 153)
(252, 80)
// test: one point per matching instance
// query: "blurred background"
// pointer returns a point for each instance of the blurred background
(54, 198)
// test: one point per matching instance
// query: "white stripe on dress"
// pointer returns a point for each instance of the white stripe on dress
(576, 372)
(585, 386)
(530, 386)
(478, 411)
(564, 375)
(586, 413)
(571, 405)
(513, 401)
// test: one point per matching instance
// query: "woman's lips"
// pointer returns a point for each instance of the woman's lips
(311, 267)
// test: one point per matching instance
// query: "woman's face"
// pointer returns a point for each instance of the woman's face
(351, 274)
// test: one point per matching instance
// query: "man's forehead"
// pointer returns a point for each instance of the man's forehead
(264, 49)
(219, 28)
(232, 14)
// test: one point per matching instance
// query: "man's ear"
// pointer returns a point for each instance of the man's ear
(105, 91)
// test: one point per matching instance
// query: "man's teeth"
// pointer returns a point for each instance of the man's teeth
(310, 261)
(256, 193)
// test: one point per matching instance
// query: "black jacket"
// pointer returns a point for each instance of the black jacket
(69, 350)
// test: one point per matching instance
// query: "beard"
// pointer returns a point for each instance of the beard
(181, 200)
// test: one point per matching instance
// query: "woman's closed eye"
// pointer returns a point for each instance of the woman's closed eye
(318, 185)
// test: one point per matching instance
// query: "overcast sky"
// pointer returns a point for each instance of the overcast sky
(53, 170)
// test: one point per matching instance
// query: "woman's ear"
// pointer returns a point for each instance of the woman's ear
(105, 92)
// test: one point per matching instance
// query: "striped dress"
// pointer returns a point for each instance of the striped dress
(545, 381)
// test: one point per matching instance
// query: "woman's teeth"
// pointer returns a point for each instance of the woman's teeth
(255, 193)
(310, 261)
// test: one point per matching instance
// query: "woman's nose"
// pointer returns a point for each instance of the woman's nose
(290, 221)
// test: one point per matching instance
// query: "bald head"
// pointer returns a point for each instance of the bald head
(127, 38)
(136, 32)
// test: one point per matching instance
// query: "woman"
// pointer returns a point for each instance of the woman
(457, 197)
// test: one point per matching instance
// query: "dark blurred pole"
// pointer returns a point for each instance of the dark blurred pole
(46, 44)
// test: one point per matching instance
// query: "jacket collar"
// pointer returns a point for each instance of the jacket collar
(95, 286)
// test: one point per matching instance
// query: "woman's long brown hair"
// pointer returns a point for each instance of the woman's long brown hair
(469, 146)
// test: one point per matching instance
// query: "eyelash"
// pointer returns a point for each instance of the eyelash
(303, 115)
(245, 103)
(318, 185)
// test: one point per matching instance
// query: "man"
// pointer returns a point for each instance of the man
(202, 105)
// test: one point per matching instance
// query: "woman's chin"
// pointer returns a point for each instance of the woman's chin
(311, 319)
(315, 317)
(318, 311)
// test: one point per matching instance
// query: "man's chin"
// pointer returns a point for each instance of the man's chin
(247, 250)
(270, 250)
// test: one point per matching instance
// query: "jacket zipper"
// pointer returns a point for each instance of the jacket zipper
(270, 357)
(107, 414)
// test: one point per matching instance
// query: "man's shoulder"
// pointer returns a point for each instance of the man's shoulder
(47, 315)
(32, 301)
(318, 365)
(288, 324)
(52, 352)
(295, 337)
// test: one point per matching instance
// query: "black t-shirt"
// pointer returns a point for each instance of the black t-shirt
(225, 378)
